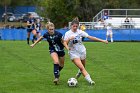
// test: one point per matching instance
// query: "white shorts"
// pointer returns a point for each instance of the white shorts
(75, 54)
(109, 33)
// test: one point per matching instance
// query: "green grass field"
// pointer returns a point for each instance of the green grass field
(114, 67)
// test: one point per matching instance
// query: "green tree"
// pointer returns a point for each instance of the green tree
(62, 11)
(24, 2)
(5, 4)
(57, 11)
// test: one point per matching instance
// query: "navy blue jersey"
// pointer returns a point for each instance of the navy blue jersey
(55, 43)
(31, 21)
(38, 26)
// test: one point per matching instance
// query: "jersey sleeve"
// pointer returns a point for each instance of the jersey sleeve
(84, 34)
(45, 35)
(66, 36)
(60, 35)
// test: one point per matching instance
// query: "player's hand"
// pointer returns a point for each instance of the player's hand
(72, 37)
(32, 45)
(68, 48)
(69, 51)
(105, 41)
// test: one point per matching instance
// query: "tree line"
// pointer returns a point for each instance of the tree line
(62, 11)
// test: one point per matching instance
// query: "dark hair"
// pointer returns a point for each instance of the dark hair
(75, 21)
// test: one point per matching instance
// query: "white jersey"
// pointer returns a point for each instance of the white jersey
(76, 46)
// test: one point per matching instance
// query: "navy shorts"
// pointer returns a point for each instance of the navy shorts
(37, 32)
(29, 30)
(60, 53)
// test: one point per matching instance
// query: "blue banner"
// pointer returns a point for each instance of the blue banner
(118, 34)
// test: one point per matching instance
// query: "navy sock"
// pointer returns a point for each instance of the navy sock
(34, 38)
(56, 70)
(28, 40)
(60, 68)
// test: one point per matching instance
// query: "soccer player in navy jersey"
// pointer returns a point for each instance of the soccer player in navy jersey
(38, 27)
(31, 28)
(56, 48)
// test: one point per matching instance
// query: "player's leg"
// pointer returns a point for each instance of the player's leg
(79, 72)
(55, 58)
(61, 59)
(38, 35)
(61, 64)
(79, 64)
(106, 36)
(28, 36)
(34, 35)
(111, 37)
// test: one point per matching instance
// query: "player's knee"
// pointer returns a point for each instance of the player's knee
(56, 62)
(82, 69)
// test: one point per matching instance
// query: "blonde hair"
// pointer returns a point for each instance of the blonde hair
(49, 24)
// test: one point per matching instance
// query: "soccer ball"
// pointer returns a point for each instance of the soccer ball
(72, 82)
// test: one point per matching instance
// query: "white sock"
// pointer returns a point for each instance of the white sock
(87, 77)
(111, 39)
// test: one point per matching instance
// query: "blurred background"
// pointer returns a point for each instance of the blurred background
(60, 11)
(94, 14)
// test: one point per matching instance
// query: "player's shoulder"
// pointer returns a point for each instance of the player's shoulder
(80, 31)
(46, 34)
(58, 33)
(68, 32)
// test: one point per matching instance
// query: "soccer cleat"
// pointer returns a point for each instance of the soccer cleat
(92, 83)
(78, 75)
(56, 81)
(28, 43)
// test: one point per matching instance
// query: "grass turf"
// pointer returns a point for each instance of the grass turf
(114, 68)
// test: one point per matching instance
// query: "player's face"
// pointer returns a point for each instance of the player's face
(51, 30)
(74, 27)
(38, 20)
(31, 16)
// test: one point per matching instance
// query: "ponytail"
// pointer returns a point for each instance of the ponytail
(75, 21)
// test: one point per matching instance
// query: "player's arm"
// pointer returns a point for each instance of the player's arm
(28, 23)
(67, 41)
(35, 26)
(97, 39)
(32, 45)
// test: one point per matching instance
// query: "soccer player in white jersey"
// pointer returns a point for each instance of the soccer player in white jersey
(109, 32)
(77, 51)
